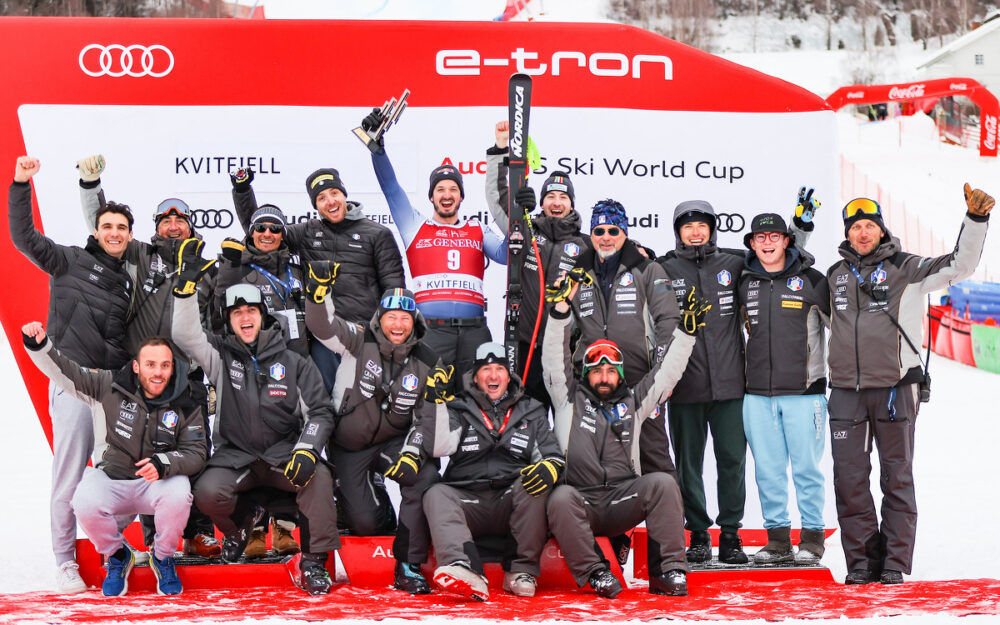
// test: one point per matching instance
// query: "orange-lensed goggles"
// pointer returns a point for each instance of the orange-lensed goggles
(595, 354)
(861, 205)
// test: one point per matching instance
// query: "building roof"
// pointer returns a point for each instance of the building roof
(989, 26)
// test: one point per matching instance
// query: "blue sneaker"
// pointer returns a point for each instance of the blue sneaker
(118, 566)
(167, 582)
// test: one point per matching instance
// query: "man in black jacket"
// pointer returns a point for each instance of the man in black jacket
(89, 308)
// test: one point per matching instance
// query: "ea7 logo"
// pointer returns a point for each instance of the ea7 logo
(840, 435)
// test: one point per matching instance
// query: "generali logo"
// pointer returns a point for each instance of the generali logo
(990, 126)
(604, 64)
(913, 91)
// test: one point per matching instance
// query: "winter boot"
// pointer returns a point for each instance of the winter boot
(778, 547)
(257, 546)
(118, 566)
(167, 582)
(889, 576)
(234, 544)
(811, 547)
(672, 583)
(605, 584)
(519, 584)
(620, 546)
(459, 578)
(731, 549)
(856, 577)
(68, 580)
(282, 540)
(314, 578)
(701, 546)
(202, 545)
(409, 579)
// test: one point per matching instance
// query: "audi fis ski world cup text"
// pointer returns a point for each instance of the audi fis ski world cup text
(603, 64)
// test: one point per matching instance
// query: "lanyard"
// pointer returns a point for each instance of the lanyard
(489, 424)
(288, 284)
(861, 280)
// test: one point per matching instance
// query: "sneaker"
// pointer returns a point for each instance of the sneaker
(257, 545)
(460, 579)
(672, 583)
(234, 544)
(167, 582)
(315, 579)
(605, 584)
(701, 546)
(778, 548)
(118, 566)
(203, 546)
(889, 576)
(519, 584)
(857, 577)
(282, 540)
(731, 549)
(68, 580)
(408, 578)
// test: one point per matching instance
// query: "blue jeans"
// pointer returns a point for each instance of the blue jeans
(779, 430)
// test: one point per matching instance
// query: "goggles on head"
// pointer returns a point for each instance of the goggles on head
(398, 302)
(602, 352)
(862, 205)
(243, 294)
(172, 206)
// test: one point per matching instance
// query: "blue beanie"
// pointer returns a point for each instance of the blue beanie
(609, 213)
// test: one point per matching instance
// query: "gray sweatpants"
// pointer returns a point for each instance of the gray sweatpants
(457, 515)
(577, 515)
(99, 502)
(888, 417)
(72, 446)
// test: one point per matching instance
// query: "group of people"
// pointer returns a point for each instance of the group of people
(326, 373)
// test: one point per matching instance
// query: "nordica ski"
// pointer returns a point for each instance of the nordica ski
(518, 110)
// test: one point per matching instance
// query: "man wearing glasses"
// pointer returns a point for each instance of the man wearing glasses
(785, 304)
(877, 293)
(380, 386)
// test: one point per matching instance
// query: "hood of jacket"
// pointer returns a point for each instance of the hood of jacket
(559, 228)
(127, 381)
(95, 250)
(695, 252)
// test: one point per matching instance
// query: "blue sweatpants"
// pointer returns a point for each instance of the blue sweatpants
(779, 430)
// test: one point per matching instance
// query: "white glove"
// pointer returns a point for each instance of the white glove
(91, 167)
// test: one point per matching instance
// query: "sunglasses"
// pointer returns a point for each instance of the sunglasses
(272, 228)
(611, 230)
(862, 205)
(596, 354)
(398, 302)
(773, 237)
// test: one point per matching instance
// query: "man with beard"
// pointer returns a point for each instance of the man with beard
(151, 439)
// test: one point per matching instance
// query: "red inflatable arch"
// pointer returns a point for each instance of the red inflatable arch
(989, 107)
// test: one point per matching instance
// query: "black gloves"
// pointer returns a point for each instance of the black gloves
(405, 469)
(241, 179)
(322, 275)
(232, 250)
(436, 389)
(541, 476)
(694, 312)
(301, 467)
(525, 198)
(191, 267)
(807, 205)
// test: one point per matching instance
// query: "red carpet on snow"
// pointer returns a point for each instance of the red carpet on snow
(720, 600)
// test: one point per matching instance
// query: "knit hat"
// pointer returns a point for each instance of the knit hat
(446, 172)
(268, 213)
(558, 181)
(609, 213)
(488, 354)
(397, 299)
(601, 351)
(765, 222)
(323, 179)
(174, 206)
(858, 215)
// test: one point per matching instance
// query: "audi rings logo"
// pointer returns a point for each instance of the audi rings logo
(117, 60)
(211, 218)
(729, 222)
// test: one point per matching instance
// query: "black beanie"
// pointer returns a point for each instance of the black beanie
(558, 181)
(850, 221)
(323, 179)
(446, 172)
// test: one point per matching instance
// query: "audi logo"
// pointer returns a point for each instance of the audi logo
(211, 218)
(729, 222)
(117, 60)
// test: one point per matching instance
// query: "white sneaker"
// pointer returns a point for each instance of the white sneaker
(68, 580)
(519, 584)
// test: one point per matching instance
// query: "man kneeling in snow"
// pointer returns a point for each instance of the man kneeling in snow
(149, 438)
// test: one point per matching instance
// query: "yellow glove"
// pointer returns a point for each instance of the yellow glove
(190, 267)
(541, 476)
(406, 468)
(560, 290)
(322, 275)
(301, 467)
(694, 312)
(438, 382)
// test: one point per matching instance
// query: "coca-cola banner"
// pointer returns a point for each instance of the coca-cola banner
(989, 107)
(174, 105)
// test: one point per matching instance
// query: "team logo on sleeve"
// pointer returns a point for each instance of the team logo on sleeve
(626, 279)
(724, 277)
(795, 283)
(278, 371)
(571, 249)
(410, 382)
(169, 418)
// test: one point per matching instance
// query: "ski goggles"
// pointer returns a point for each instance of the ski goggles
(612, 231)
(603, 352)
(398, 302)
(172, 206)
(272, 228)
(861, 205)
(243, 294)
